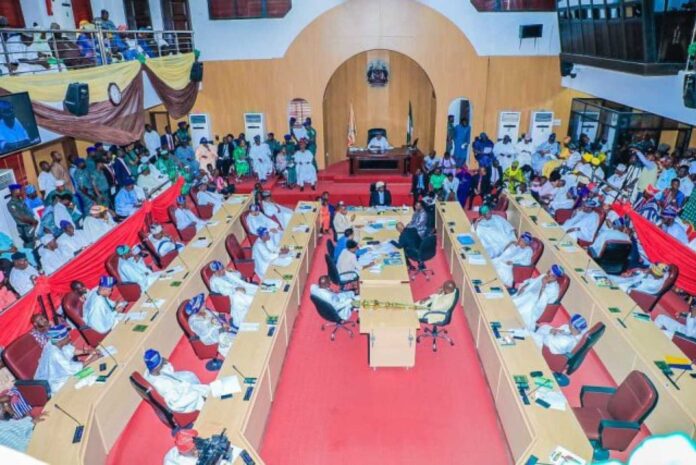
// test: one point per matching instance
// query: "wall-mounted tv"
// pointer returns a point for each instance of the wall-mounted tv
(18, 128)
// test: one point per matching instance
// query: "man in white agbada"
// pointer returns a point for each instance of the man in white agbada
(181, 390)
(584, 222)
(342, 302)
(610, 231)
(210, 326)
(264, 252)
(494, 231)
(56, 364)
(185, 217)
(615, 183)
(256, 220)
(524, 149)
(72, 241)
(561, 340)
(504, 150)
(271, 208)
(52, 256)
(184, 451)
(670, 326)
(98, 223)
(22, 275)
(99, 311)
(536, 293)
(153, 141)
(60, 209)
(231, 284)
(518, 253)
(438, 303)
(649, 281)
(151, 182)
(132, 268)
(379, 142)
(261, 159)
(162, 243)
(304, 165)
(206, 197)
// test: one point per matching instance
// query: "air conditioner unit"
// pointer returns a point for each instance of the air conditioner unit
(200, 127)
(509, 125)
(541, 126)
(7, 223)
(254, 125)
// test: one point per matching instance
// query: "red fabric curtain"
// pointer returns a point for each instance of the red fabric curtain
(164, 200)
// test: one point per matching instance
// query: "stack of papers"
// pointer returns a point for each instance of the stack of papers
(157, 303)
(200, 243)
(136, 316)
(568, 247)
(247, 327)
(283, 261)
(476, 258)
(555, 399)
(225, 386)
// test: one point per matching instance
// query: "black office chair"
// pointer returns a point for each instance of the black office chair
(342, 280)
(434, 330)
(426, 251)
(613, 258)
(330, 247)
(329, 313)
(374, 131)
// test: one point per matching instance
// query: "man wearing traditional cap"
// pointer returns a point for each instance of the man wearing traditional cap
(646, 205)
(168, 164)
(615, 183)
(671, 226)
(152, 140)
(561, 340)
(46, 180)
(291, 166)
(271, 208)
(23, 216)
(126, 202)
(56, 364)
(132, 268)
(32, 199)
(162, 243)
(99, 311)
(8, 247)
(206, 155)
(256, 220)
(84, 184)
(564, 197)
(649, 280)
(231, 284)
(536, 293)
(182, 133)
(98, 223)
(210, 326)
(342, 302)
(584, 222)
(181, 390)
(185, 217)
(72, 241)
(151, 182)
(670, 325)
(341, 220)
(380, 197)
(23, 275)
(610, 231)
(52, 257)
(265, 251)
(184, 451)
(306, 171)
(515, 254)
(205, 196)
(378, 143)
(58, 170)
(65, 210)
(261, 159)
(545, 152)
(494, 231)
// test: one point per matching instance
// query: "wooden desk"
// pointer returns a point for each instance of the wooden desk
(621, 349)
(401, 160)
(529, 429)
(105, 409)
(256, 354)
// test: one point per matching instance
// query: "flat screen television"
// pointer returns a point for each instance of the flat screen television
(18, 128)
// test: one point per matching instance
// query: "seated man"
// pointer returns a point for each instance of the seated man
(437, 181)
(271, 208)
(132, 268)
(561, 340)
(670, 326)
(584, 222)
(450, 188)
(341, 220)
(210, 326)
(184, 451)
(264, 252)
(99, 311)
(380, 197)
(162, 243)
(256, 220)
(348, 235)
(206, 197)
(379, 142)
(348, 260)
(22, 275)
(516, 253)
(52, 257)
(672, 227)
(536, 293)
(342, 302)
(185, 217)
(649, 280)
(57, 363)
(126, 201)
(72, 241)
(610, 231)
(563, 197)
(151, 180)
(441, 301)
(231, 284)
(181, 390)
(494, 231)
(98, 223)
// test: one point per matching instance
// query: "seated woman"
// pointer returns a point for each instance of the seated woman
(7, 297)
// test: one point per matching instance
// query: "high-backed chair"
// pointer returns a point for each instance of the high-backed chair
(129, 291)
(426, 251)
(562, 215)
(240, 256)
(162, 261)
(331, 317)
(613, 257)
(372, 132)
(186, 234)
(434, 332)
(566, 364)
(602, 216)
(501, 204)
(551, 309)
(73, 307)
(342, 280)
(251, 235)
(149, 394)
(647, 301)
(611, 417)
(21, 357)
(203, 351)
(204, 212)
(221, 303)
(686, 344)
(523, 272)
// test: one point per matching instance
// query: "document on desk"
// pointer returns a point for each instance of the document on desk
(550, 225)
(137, 316)
(556, 400)
(225, 386)
(150, 304)
(109, 350)
(475, 258)
(235, 200)
(562, 456)
(212, 224)
(528, 203)
(283, 260)
(492, 295)
(174, 270)
(300, 228)
(568, 247)
(248, 327)
(200, 243)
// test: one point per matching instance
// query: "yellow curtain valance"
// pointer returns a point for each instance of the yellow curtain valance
(175, 70)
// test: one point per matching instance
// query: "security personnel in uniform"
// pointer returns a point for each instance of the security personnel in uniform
(26, 222)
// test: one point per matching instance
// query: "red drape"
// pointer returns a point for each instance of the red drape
(86, 267)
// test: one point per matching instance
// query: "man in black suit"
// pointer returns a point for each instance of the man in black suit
(224, 152)
(480, 185)
(419, 185)
(409, 240)
(380, 197)
(167, 140)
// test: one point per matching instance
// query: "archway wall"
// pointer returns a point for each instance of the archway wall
(492, 84)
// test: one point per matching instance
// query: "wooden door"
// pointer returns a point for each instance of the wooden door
(12, 10)
(82, 9)
(175, 17)
(137, 13)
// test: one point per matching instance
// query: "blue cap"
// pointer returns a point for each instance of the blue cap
(484, 209)
(217, 265)
(591, 203)
(619, 223)
(557, 270)
(128, 181)
(30, 189)
(107, 281)
(578, 322)
(152, 358)
(194, 305)
(57, 333)
(91, 149)
(122, 250)
(79, 160)
(526, 237)
(15, 187)
(19, 256)
(181, 199)
(287, 137)
(64, 224)
(261, 231)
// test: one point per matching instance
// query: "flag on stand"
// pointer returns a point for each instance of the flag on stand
(352, 130)
(409, 125)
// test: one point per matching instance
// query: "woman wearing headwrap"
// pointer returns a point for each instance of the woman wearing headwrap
(494, 231)
(535, 294)
(56, 364)
(182, 390)
(649, 280)
(132, 268)
(561, 340)
(99, 311)
(513, 176)
(516, 253)
(211, 327)
(584, 222)
(206, 155)
(241, 161)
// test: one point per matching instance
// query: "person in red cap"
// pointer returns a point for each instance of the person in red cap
(184, 451)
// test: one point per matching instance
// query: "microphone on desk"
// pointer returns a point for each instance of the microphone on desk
(488, 282)
(622, 320)
(278, 273)
(154, 304)
(108, 352)
(294, 241)
(270, 319)
(246, 379)
(79, 429)
(210, 233)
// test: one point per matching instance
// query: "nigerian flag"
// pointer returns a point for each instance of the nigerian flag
(409, 125)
